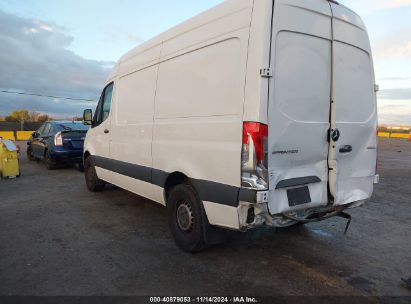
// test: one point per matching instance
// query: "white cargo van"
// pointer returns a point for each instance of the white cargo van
(254, 112)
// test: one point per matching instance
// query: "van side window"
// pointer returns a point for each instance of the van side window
(104, 105)
(97, 114)
(108, 95)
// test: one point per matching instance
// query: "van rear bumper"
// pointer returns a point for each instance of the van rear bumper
(252, 212)
(255, 215)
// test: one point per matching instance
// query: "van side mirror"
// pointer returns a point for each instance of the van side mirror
(88, 117)
(35, 134)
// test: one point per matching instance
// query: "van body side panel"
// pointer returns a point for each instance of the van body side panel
(222, 215)
(104, 174)
(299, 105)
(192, 86)
(199, 107)
(132, 127)
(198, 121)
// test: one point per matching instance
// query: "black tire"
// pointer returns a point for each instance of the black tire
(93, 183)
(30, 154)
(50, 163)
(186, 218)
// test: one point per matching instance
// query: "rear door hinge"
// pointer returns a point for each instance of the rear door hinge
(376, 88)
(266, 72)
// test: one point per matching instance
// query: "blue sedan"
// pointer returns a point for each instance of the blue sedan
(58, 142)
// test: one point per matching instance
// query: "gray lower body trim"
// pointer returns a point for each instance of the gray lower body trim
(207, 190)
(247, 195)
(137, 172)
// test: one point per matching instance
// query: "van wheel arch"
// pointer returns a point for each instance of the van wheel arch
(185, 213)
(93, 183)
(174, 179)
(86, 155)
(211, 235)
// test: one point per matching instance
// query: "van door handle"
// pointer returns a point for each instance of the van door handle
(346, 149)
(106, 131)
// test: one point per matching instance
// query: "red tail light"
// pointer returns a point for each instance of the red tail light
(254, 156)
(258, 133)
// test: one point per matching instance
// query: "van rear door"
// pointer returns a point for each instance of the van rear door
(322, 107)
(353, 148)
(299, 105)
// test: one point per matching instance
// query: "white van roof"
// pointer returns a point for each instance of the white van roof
(217, 12)
(341, 13)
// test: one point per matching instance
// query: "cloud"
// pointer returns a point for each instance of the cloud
(34, 58)
(394, 45)
(400, 94)
(399, 50)
(395, 79)
(384, 4)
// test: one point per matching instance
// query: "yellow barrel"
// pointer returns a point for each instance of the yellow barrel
(9, 161)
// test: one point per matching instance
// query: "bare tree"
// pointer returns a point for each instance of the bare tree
(43, 118)
(33, 116)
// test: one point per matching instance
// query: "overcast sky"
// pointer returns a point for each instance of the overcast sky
(66, 47)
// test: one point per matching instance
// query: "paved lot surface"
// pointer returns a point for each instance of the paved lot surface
(56, 238)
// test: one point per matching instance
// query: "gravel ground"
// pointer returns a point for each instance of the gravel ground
(56, 238)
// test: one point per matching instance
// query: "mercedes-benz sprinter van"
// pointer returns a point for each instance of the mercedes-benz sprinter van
(252, 113)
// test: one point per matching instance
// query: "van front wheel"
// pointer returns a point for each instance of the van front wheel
(186, 218)
(93, 183)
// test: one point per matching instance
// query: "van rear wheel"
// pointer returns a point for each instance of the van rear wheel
(94, 184)
(186, 218)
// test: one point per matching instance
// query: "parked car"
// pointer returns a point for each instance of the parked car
(253, 113)
(58, 143)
